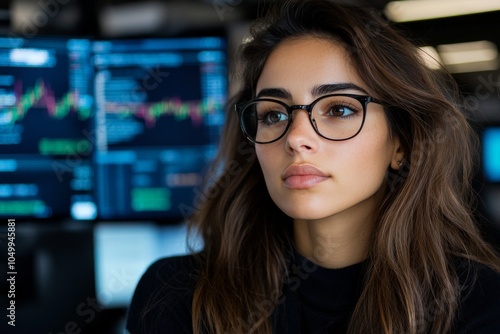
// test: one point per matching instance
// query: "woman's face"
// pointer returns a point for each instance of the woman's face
(310, 177)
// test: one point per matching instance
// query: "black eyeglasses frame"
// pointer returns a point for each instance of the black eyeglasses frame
(363, 99)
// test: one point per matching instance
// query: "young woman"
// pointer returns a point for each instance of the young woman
(341, 201)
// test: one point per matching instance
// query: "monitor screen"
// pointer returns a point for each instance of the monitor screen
(159, 112)
(123, 252)
(491, 153)
(45, 118)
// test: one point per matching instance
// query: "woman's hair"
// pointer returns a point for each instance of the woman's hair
(424, 225)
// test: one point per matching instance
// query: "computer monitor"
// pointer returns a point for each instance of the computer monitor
(159, 112)
(45, 122)
(490, 142)
(123, 252)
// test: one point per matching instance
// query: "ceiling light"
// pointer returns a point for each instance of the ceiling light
(414, 10)
(471, 52)
(469, 57)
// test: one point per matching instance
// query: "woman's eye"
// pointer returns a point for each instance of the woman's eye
(341, 111)
(273, 117)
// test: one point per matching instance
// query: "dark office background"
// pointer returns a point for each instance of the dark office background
(57, 258)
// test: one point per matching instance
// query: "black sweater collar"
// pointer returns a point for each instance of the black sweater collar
(328, 290)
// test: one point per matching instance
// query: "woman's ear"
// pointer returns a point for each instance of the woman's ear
(398, 155)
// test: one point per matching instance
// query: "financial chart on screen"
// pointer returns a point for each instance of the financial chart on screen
(159, 112)
(45, 120)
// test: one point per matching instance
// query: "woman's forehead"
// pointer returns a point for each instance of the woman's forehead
(300, 65)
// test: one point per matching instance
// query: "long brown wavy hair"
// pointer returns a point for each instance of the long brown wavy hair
(426, 220)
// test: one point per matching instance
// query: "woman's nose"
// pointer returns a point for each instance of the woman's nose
(301, 135)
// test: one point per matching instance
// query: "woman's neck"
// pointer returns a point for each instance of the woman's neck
(337, 241)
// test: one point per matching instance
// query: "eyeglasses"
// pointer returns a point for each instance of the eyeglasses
(333, 117)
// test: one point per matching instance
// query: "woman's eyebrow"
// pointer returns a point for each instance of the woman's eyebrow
(335, 87)
(316, 91)
(275, 92)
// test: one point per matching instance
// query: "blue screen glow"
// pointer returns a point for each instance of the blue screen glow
(491, 154)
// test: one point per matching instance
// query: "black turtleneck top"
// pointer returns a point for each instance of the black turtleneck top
(315, 300)
(318, 300)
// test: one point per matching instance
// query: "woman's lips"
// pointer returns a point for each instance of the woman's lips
(302, 176)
